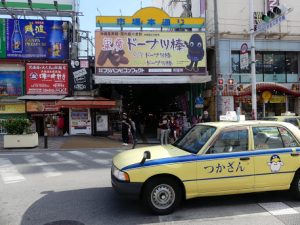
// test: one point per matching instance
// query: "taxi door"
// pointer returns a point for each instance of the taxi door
(276, 159)
(227, 165)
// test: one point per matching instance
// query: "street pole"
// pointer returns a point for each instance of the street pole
(253, 63)
(218, 102)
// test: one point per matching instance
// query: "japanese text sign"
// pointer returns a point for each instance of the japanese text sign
(48, 78)
(134, 53)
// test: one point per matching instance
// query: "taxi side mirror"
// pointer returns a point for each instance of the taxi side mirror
(147, 155)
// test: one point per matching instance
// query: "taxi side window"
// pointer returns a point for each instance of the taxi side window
(230, 141)
(272, 137)
(288, 139)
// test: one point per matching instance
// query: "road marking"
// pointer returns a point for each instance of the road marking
(62, 159)
(47, 170)
(278, 208)
(88, 157)
(9, 173)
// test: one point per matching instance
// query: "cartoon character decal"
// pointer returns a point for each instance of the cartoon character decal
(275, 163)
(195, 52)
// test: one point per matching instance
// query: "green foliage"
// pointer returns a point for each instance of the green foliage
(16, 126)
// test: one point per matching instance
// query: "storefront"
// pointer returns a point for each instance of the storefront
(277, 71)
(88, 115)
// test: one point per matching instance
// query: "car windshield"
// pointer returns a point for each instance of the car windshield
(195, 139)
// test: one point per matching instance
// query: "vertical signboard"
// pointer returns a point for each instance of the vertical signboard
(44, 39)
(81, 77)
(2, 39)
(47, 78)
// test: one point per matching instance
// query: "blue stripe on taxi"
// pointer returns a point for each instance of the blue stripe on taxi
(190, 158)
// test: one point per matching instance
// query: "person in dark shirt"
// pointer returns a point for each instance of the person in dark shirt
(205, 117)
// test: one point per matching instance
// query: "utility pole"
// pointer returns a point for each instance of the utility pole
(217, 58)
(253, 62)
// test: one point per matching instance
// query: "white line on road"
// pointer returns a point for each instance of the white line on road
(9, 173)
(62, 159)
(278, 208)
(86, 156)
(47, 170)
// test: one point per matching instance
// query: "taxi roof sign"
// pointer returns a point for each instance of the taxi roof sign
(288, 114)
(232, 116)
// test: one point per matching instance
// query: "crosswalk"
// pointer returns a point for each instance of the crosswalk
(50, 164)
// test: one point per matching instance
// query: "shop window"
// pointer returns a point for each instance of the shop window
(259, 62)
(235, 62)
(291, 63)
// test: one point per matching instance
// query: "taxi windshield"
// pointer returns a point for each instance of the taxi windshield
(195, 139)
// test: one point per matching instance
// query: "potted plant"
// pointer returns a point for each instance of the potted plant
(19, 134)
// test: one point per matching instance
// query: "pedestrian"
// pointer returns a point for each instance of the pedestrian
(205, 117)
(125, 129)
(164, 130)
(133, 131)
(173, 128)
(60, 125)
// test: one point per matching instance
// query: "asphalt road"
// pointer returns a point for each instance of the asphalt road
(73, 188)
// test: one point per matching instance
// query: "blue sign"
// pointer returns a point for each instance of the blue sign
(40, 39)
(199, 102)
(11, 83)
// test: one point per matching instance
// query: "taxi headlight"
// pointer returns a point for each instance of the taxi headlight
(120, 175)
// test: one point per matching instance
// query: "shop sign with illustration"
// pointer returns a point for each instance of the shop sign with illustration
(150, 53)
(41, 106)
(35, 39)
(11, 83)
(81, 77)
(47, 78)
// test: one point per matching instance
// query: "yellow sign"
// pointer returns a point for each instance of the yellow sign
(138, 52)
(266, 95)
(149, 17)
(12, 108)
(277, 99)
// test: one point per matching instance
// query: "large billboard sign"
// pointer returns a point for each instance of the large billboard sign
(150, 53)
(47, 78)
(31, 39)
(62, 5)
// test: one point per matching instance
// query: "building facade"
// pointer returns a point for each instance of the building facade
(276, 53)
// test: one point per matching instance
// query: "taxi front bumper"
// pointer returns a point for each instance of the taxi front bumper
(126, 189)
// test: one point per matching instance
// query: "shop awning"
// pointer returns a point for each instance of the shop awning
(100, 79)
(86, 102)
(41, 97)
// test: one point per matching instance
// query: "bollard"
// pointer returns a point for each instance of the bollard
(45, 140)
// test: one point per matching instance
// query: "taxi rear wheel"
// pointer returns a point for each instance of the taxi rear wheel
(295, 187)
(162, 195)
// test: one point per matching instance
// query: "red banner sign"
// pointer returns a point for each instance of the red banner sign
(47, 78)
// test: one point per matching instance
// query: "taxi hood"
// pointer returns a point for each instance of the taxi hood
(134, 156)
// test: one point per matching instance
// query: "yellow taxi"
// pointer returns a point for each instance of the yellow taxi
(214, 158)
(286, 117)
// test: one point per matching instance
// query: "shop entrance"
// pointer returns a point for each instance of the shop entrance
(147, 103)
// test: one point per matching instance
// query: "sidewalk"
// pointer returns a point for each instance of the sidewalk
(82, 142)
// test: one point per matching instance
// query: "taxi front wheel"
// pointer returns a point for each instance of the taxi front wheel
(295, 187)
(162, 195)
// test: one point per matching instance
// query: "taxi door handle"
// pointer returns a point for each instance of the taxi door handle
(245, 158)
(295, 154)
